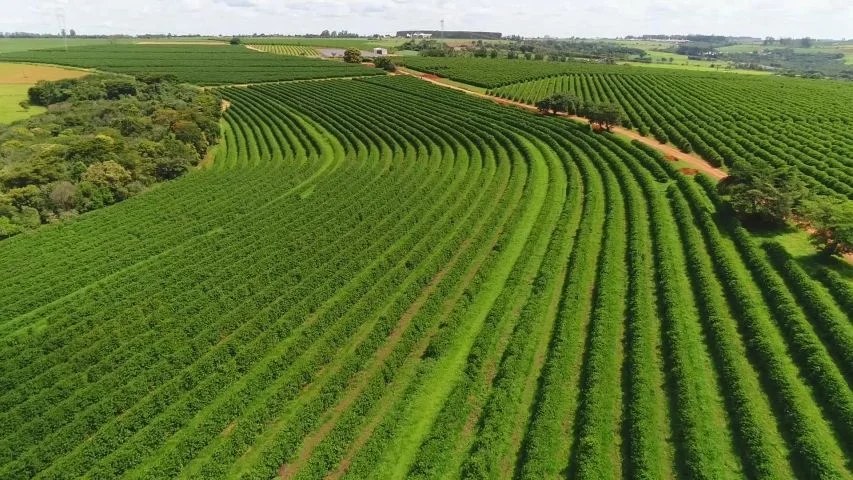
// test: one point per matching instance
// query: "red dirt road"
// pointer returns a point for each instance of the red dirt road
(695, 161)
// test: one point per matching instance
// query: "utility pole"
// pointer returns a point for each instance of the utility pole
(61, 18)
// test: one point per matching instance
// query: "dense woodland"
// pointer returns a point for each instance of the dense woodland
(103, 139)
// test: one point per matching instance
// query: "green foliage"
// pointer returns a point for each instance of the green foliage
(606, 115)
(352, 55)
(103, 139)
(766, 196)
(385, 63)
(831, 223)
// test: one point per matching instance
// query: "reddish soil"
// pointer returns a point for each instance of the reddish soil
(689, 171)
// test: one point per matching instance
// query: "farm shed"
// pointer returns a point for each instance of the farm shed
(380, 51)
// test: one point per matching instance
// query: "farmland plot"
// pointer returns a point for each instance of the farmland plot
(198, 64)
(766, 121)
(431, 287)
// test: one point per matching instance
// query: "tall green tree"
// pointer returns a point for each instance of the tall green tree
(765, 196)
(352, 55)
(830, 223)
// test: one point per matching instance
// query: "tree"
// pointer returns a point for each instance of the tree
(72, 33)
(352, 55)
(325, 34)
(605, 115)
(115, 89)
(544, 105)
(769, 41)
(831, 225)
(64, 196)
(806, 42)
(565, 103)
(765, 196)
(493, 53)
(106, 174)
(235, 41)
(384, 63)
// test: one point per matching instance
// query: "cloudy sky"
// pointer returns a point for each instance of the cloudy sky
(560, 18)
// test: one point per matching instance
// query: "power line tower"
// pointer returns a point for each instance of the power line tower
(60, 17)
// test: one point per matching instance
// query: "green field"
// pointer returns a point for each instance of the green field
(23, 44)
(426, 286)
(844, 48)
(681, 62)
(291, 50)
(198, 64)
(359, 43)
(491, 73)
(768, 121)
(10, 98)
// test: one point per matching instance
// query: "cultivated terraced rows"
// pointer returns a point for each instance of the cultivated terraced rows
(292, 50)
(430, 286)
(197, 64)
(763, 120)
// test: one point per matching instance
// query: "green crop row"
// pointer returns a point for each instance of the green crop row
(430, 286)
(197, 64)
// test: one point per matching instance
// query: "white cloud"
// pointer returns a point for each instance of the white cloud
(816, 18)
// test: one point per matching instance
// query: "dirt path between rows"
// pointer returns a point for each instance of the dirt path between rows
(695, 161)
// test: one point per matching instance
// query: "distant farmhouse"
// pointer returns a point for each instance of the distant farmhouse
(461, 34)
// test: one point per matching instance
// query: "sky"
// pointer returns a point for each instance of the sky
(557, 18)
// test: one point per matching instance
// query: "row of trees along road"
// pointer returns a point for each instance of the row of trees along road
(604, 115)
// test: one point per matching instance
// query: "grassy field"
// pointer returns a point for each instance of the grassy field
(844, 48)
(10, 98)
(16, 79)
(360, 43)
(696, 66)
(23, 44)
(426, 286)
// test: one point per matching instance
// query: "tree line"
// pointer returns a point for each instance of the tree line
(102, 140)
(603, 115)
